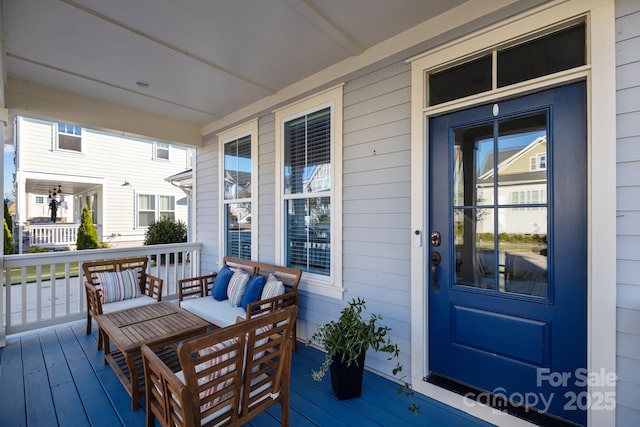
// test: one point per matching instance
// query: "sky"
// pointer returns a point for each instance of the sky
(9, 169)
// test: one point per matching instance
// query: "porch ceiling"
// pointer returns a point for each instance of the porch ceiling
(68, 188)
(176, 70)
(201, 59)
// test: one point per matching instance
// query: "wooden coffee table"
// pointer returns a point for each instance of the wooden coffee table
(159, 325)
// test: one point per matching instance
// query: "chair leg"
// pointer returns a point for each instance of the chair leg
(88, 323)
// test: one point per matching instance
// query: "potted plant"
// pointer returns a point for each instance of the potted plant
(346, 342)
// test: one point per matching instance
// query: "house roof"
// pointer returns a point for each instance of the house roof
(181, 69)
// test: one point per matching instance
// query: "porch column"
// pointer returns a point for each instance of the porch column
(4, 122)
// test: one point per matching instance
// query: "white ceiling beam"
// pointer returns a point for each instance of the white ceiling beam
(29, 99)
(111, 85)
(328, 27)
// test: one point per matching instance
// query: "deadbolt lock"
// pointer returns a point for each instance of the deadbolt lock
(435, 239)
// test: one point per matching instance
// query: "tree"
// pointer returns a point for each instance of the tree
(7, 215)
(8, 240)
(87, 234)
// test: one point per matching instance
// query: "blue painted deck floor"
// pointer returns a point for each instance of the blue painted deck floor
(57, 377)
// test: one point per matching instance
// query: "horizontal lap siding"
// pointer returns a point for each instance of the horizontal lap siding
(628, 207)
(376, 208)
(207, 210)
(267, 189)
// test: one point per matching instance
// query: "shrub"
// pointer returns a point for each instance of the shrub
(87, 234)
(166, 230)
(8, 240)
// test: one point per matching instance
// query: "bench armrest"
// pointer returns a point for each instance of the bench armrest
(160, 380)
(271, 304)
(195, 286)
(94, 299)
(153, 287)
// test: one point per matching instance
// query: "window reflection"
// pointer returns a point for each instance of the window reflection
(514, 204)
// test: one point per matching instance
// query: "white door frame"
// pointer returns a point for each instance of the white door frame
(601, 121)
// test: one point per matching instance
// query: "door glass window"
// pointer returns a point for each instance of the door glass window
(500, 225)
(522, 210)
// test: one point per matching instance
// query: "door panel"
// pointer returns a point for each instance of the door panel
(508, 195)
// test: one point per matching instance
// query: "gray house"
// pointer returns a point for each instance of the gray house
(354, 140)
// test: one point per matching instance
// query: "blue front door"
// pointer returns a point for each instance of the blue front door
(508, 252)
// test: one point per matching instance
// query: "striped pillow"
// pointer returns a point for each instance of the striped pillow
(237, 286)
(223, 356)
(272, 288)
(119, 285)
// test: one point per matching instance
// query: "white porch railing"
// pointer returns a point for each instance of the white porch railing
(53, 234)
(46, 289)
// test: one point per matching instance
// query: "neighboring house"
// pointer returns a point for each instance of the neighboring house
(122, 181)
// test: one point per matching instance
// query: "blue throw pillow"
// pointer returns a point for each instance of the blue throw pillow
(219, 290)
(254, 290)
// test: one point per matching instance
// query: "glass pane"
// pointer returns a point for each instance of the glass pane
(462, 80)
(523, 244)
(474, 243)
(522, 171)
(145, 218)
(66, 142)
(547, 55)
(238, 231)
(473, 154)
(146, 202)
(167, 203)
(167, 214)
(237, 169)
(308, 235)
(307, 153)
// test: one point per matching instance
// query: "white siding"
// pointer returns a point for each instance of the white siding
(628, 206)
(207, 213)
(110, 159)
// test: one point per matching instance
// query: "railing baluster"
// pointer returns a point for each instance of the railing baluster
(38, 292)
(26, 305)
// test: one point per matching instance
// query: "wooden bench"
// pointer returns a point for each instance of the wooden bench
(150, 287)
(227, 377)
(194, 293)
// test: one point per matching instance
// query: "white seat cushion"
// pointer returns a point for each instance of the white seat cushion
(220, 313)
(127, 303)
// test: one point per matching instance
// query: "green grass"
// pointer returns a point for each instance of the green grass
(16, 274)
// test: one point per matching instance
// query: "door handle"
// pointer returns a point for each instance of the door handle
(435, 261)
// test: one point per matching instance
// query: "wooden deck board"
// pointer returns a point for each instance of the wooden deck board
(12, 386)
(62, 370)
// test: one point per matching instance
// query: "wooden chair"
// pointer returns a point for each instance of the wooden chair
(228, 376)
(150, 286)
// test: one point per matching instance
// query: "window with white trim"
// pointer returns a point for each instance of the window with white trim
(161, 150)
(40, 200)
(308, 153)
(146, 209)
(153, 207)
(69, 137)
(238, 152)
(167, 207)
(538, 162)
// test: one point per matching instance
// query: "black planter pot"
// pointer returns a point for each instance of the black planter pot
(347, 380)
